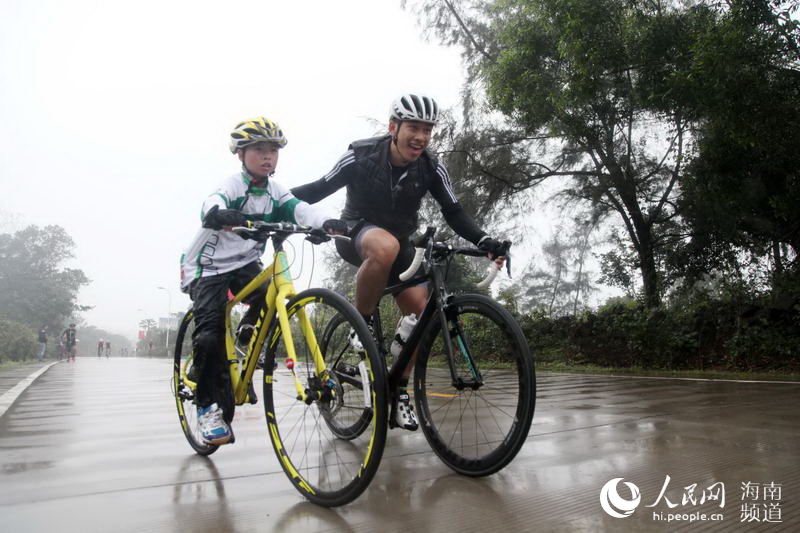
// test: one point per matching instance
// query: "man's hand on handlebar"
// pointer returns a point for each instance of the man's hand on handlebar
(332, 226)
(495, 249)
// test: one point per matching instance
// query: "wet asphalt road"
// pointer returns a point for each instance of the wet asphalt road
(95, 446)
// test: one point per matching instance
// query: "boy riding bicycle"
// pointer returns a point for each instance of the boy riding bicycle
(217, 261)
(386, 179)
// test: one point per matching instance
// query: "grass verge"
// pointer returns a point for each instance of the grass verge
(694, 374)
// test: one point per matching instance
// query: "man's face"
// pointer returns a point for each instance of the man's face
(260, 159)
(412, 139)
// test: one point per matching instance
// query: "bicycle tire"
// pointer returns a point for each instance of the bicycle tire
(476, 432)
(324, 467)
(183, 389)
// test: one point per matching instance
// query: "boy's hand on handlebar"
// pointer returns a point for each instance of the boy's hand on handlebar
(334, 226)
(217, 218)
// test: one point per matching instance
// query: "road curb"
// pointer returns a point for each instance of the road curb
(7, 399)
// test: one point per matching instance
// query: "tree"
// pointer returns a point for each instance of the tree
(560, 286)
(744, 186)
(35, 288)
(582, 284)
(590, 82)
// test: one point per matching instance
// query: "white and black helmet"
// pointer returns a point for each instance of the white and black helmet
(415, 107)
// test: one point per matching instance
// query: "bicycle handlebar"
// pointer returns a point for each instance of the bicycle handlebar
(256, 229)
(411, 270)
(422, 243)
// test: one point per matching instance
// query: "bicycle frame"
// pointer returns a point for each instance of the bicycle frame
(280, 289)
(435, 309)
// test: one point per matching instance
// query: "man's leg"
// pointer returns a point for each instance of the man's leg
(378, 249)
(409, 301)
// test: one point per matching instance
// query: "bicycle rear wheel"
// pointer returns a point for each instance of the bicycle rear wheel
(183, 388)
(350, 413)
(478, 422)
(326, 464)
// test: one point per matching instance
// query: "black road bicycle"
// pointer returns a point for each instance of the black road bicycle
(474, 384)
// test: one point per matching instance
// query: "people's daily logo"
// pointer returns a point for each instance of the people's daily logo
(616, 505)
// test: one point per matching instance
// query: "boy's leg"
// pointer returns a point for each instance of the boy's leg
(240, 278)
(213, 383)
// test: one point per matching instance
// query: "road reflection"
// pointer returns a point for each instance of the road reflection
(306, 516)
(199, 494)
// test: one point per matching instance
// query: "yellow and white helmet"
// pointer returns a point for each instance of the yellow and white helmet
(256, 130)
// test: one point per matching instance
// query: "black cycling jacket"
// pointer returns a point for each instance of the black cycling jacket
(371, 196)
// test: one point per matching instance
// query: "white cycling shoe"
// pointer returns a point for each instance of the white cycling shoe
(403, 413)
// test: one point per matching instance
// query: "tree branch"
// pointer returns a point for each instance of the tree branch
(468, 33)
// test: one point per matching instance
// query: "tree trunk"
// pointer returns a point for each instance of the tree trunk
(776, 257)
(652, 298)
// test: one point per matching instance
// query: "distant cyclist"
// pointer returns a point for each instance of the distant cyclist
(386, 178)
(42, 342)
(217, 261)
(70, 339)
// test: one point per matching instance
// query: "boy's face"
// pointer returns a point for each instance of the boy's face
(412, 139)
(260, 159)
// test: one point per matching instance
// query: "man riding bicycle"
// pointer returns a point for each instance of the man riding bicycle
(70, 341)
(386, 179)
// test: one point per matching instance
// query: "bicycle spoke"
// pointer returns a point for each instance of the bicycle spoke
(477, 419)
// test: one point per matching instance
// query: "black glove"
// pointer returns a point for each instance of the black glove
(216, 218)
(317, 236)
(334, 225)
(493, 247)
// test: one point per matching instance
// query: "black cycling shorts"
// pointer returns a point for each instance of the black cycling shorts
(352, 253)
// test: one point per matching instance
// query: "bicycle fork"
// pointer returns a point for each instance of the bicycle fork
(456, 342)
(320, 386)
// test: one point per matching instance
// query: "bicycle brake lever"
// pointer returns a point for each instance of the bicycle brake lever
(507, 248)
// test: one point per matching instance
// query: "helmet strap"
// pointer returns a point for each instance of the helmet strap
(253, 178)
(397, 131)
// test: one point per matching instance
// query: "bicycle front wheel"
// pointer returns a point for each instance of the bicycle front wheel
(328, 461)
(183, 388)
(477, 417)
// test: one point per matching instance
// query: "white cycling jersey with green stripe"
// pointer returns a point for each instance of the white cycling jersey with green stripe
(216, 252)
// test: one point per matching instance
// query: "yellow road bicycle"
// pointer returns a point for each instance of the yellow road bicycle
(328, 438)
